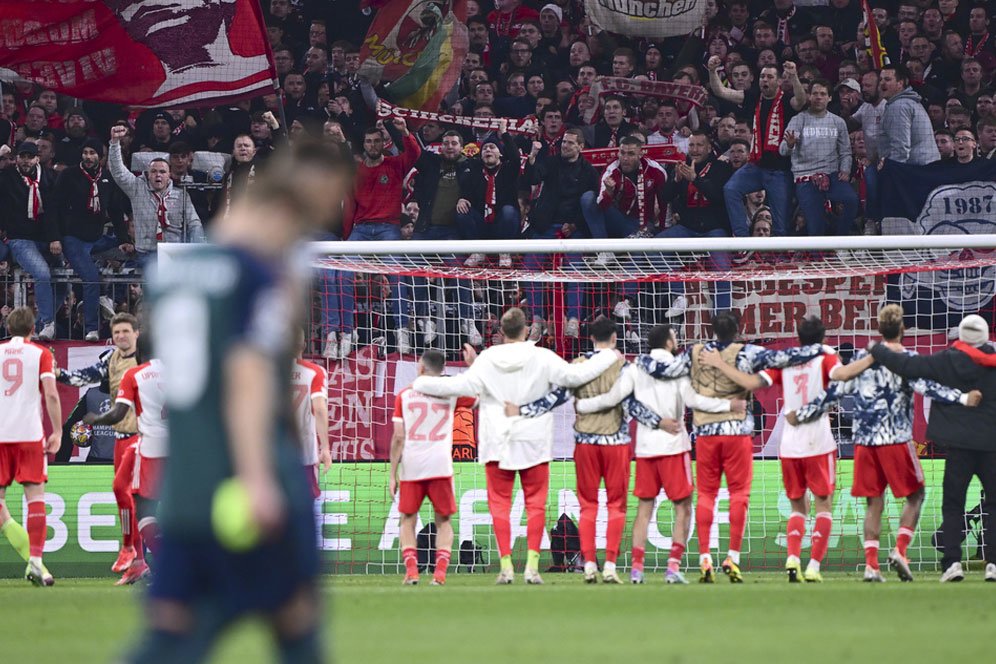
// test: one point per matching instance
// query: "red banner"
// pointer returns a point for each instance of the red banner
(386, 109)
(602, 157)
(142, 53)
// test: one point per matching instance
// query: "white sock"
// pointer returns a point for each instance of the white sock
(608, 568)
(814, 565)
(705, 560)
(792, 559)
(590, 567)
(35, 560)
(734, 556)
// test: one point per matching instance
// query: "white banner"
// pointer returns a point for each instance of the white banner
(653, 19)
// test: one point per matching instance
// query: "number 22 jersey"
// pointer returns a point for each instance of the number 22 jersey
(428, 423)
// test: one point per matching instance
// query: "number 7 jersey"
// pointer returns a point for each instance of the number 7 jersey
(24, 364)
(428, 423)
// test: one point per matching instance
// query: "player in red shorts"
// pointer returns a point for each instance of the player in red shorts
(808, 452)
(422, 463)
(27, 375)
(310, 383)
(141, 391)
(883, 437)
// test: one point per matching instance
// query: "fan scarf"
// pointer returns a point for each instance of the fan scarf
(34, 193)
(774, 125)
(93, 199)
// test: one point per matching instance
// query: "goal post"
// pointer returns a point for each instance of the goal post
(435, 292)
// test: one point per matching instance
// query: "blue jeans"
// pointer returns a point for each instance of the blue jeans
(505, 226)
(533, 291)
(33, 258)
(777, 185)
(718, 260)
(330, 281)
(873, 210)
(610, 222)
(369, 231)
(77, 252)
(416, 289)
(811, 201)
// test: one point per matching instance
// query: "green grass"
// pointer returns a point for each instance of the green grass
(374, 619)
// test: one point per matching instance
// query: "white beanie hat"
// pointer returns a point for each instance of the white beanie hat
(555, 9)
(973, 330)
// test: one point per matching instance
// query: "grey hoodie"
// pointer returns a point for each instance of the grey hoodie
(906, 135)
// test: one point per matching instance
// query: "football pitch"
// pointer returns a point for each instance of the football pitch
(374, 619)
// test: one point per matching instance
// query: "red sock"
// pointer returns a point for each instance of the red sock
(903, 539)
(36, 528)
(821, 536)
(703, 520)
(149, 530)
(794, 532)
(738, 519)
(139, 546)
(674, 558)
(639, 553)
(871, 553)
(127, 527)
(126, 508)
(442, 563)
(410, 556)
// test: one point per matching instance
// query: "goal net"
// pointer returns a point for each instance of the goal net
(377, 306)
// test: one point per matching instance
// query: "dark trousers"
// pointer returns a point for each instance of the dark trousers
(959, 468)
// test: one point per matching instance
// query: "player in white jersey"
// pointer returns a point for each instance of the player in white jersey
(27, 375)
(310, 383)
(141, 390)
(808, 452)
(422, 463)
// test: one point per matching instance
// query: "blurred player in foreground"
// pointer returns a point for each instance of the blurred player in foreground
(422, 464)
(141, 391)
(223, 322)
(808, 452)
(884, 455)
(27, 378)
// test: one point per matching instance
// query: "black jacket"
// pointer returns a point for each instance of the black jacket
(952, 425)
(706, 210)
(472, 181)
(14, 207)
(69, 204)
(426, 182)
(563, 183)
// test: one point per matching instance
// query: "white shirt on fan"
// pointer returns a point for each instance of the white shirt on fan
(428, 424)
(800, 385)
(142, 389)
(24, 366)
(309, 382)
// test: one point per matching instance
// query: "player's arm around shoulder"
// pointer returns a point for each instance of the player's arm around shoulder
(576, 374)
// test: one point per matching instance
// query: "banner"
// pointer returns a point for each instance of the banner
(141, 53)
(386, 109)
(652, 19)
(602, 157)
(873, 38)
(400, 31)
(436, 70)
(692, 94)
(358, 524)
(942, 198)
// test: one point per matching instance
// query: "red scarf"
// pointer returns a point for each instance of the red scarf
(693, 198)
(859, 175)
(973, 49)
(979, 357)
(553, 144)
(34, 194)
(160, 201)
(613, 138)
(783, 28)
(93, 200)
(490, 195)
(774, 126)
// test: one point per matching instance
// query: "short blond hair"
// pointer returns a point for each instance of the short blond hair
(513, 322)
(21, 322)
(890, 321)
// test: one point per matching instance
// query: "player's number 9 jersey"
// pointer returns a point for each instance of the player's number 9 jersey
(22, 367)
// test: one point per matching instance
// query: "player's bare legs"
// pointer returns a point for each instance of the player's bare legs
(444, 548)
(907, 526)
(873, 529)
(641, 523)
(408, 551)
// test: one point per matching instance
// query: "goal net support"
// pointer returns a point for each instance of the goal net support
(378, 305)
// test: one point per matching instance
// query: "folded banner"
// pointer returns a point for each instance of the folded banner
(693, 94)
(142, 53)
(400, 32)
(436, 70)
(942, 198)
(386, 109)
(602, 157)
(653, 19)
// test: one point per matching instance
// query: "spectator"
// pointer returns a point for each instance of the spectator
(184, 175)
(240, 175)
(283, 61)
(944, 139)
(85, 200)
(160, 212)
(70, 147)
(906, 135)
(970, 88)
(986, 130)
(767, 168)
(161, 134)
(609, 131)
(870, 113)
(760, 223)
(959, 117)
(979, 40)
(508, 16)
(790, 24)
(820, 147)
(32, 230)
(517, 104)
(965, 146)
(667, 123)
(738, 153)
(35, 123)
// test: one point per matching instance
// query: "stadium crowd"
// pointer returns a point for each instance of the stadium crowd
(787, 140)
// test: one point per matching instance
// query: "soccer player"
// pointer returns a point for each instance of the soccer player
(141, 392)
(223, 319)
(107, 372)
(516, 372)
(723, 441)
(883, 437)
(663, 459)
(310, 384)
(27, 378)
(808, 452)
(422, 464)
(601, 453)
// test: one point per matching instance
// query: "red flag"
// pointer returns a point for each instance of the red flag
(400, 32)
(873, 38)
(141, 53)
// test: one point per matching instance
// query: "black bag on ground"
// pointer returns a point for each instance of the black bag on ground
(425, 546)
(565, 545)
